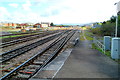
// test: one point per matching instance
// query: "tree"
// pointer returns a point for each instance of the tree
(51, 24)
(113, 19)
(104, 22)
(108, 29)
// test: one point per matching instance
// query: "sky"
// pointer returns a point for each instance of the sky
(57, 11)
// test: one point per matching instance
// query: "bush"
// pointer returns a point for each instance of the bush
(96, 31)
(108, 29)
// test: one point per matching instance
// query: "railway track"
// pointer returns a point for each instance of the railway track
(24, 39)
(16, 52)
(18, 33)
(12, 58)
(27, 69)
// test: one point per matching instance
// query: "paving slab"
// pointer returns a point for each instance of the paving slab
(85, 62)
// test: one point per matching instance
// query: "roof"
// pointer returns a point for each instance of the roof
(37, 24)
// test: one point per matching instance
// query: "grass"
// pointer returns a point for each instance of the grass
(93, 46)
(10, 36)
(18, 35)
(87, 34)
(81, 37)
(107, 53)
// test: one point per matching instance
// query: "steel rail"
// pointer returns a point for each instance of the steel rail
(13, 53)
(24, 39)
(17, 34)
(16, 52)
(54, 54)
(65, 40)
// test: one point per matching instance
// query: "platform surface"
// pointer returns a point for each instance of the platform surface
(85, 62)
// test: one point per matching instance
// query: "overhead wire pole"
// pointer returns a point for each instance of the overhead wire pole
(115, 49)
(116, 22)
(117, 10)
(116, 26)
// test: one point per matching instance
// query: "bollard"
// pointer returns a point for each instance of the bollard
(115, 51)
(107, 42)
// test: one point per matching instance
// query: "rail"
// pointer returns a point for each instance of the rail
(99, 44)
(58, 44)
(13, 53)
(23, 39)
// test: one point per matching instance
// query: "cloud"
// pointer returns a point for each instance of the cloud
(14, 5)
(4, 14)
(28, 17)
(27, 5)
(83, 11)
(60, 11)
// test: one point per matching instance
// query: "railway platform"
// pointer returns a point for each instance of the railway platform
(85, 62)
(80, 62)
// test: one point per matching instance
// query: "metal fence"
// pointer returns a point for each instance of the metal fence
(99, 44)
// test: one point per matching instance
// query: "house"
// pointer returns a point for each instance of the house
(22, 25)
(9, 24)
(37, 25)
(45, 24)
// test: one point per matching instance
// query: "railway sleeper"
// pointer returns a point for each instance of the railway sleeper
(2, 66)
(6, 63)
(38, 62)
(26, 48)
(40, 59)
(6, 70)
(3, 74)
(27, 71)
(46, 54)
(16, 64)
(11, 68)
(33, 66)
(21, 75)
(44, 57)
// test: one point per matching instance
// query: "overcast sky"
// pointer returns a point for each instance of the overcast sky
(57, 11)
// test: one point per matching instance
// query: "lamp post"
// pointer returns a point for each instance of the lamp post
(117, 10)
(115, 47)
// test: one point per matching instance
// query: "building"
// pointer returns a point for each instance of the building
(37, 25)
(45, 24)
(9, 24)
(22, 26)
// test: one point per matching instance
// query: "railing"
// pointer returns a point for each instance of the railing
(99, 44)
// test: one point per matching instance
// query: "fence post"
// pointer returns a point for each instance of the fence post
(107, 42)
(115, 51)
(94, 40)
